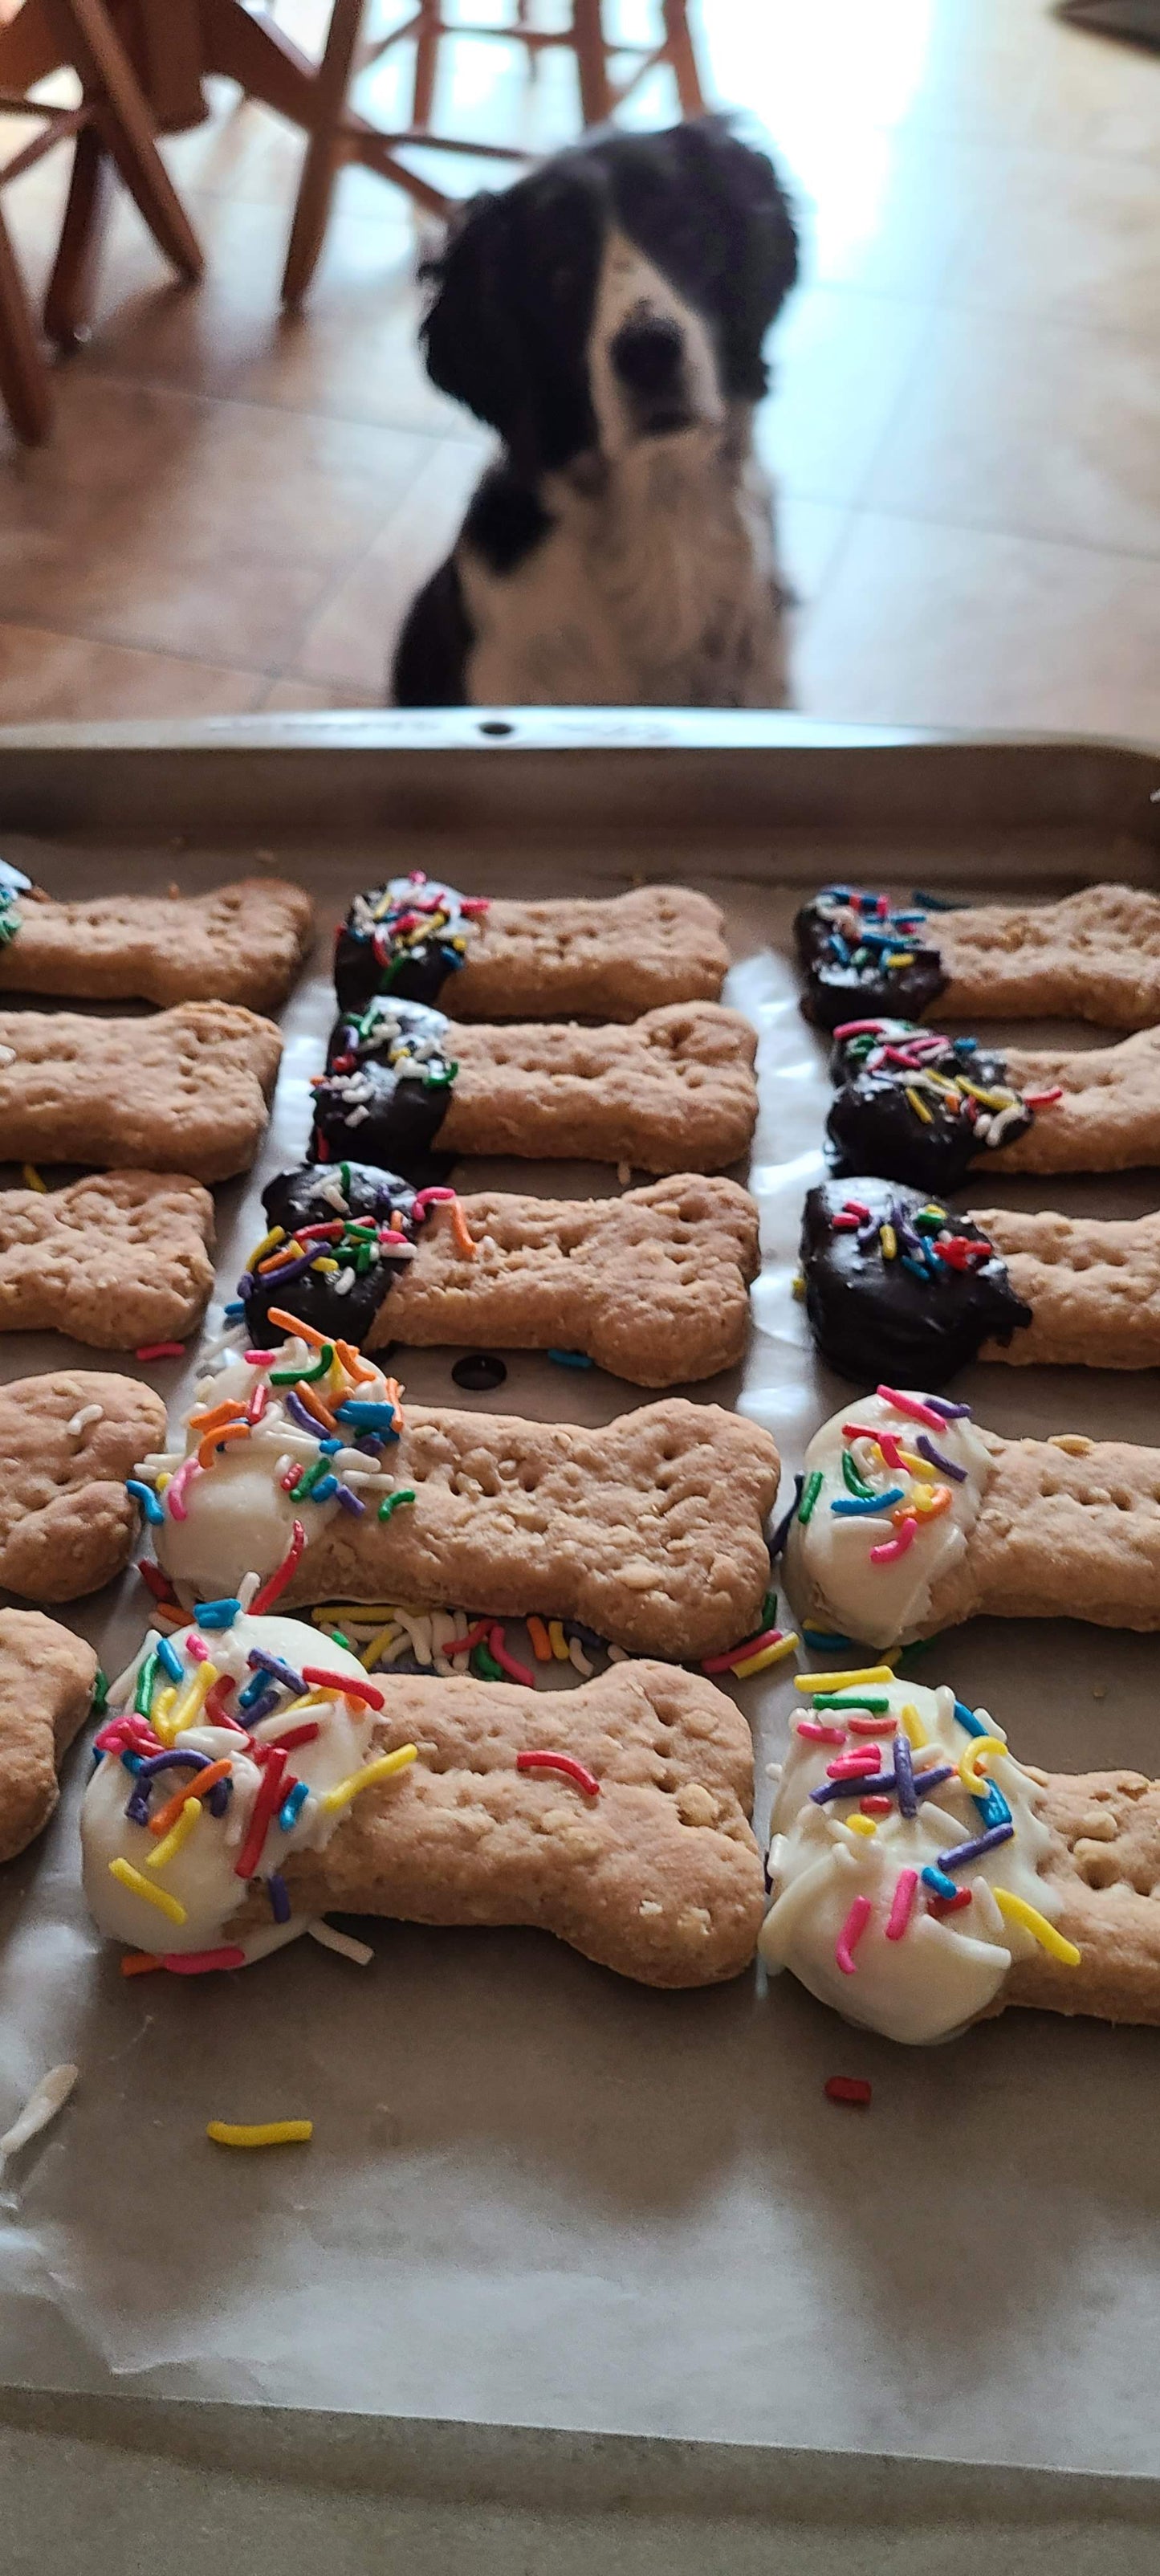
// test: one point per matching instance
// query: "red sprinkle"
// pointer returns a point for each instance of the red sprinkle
(871, 1726)
(848, 2088)
(850, 1766)
(508, 1664)
(197, 1963)
(343, 1683)
(258, 1402)
(741, 1654)
(215, 1711)
(304, 1734)
(260, 1359)
(874, 1806)
(477, 1636)
(160, 1351)
(1042, 1099)
(564, 1763)
(276, 1582)
(268, 1800)
(856, 1207)
(950, 1904)
(158, 1583)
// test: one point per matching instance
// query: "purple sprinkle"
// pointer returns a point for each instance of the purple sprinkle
(961, 1853)
(219, 1797)
(878, 1784)
(350, 1502)
(172, 1762)
(298, 1413)
(262, 1707)
(904, 1774)
(261, 1662)
(949, 1412)
(137, 1810)
(934, 1457)
(247, 1286)
(292, 1270)
(279, 1897)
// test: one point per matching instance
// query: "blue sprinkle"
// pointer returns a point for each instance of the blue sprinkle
(97, 1758)
(291, 1808)
(994, 1809)
(144, 1494)
(366, 1416)
(260, 1708)
(279, 1897)
(235, 1309)
(942, 1885)
(328, 1447)
(571, 1359)
(916, 1269)
(218, 1614)
(967, 1719)
(322, 1491)
(132, 1761)
(849, 1507)
(826, 1641)
(169, 1659)
(965, 1046)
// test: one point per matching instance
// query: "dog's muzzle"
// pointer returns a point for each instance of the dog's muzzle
(648, 357)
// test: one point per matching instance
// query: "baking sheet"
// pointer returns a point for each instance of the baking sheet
(536, 2195)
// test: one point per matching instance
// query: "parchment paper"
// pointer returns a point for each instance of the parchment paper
(537, 2195)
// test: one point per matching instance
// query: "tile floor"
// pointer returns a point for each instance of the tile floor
(235, 509)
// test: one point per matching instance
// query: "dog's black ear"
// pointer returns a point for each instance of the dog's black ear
(755, 219)
(471, 334)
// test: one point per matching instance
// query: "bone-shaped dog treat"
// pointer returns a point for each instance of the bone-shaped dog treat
(1092, 1286)
(649, 1530)
(915, 1519)
(1094, 956)
(1101, 1868)
(914, 1106)
(605, 960)
(651, 1286)
(1108, 1119)
(67, 1443)
(118, 1259)
(673, 1092)
(46, 1684)
(615, 1816)
(187, 1090)
(243, 943)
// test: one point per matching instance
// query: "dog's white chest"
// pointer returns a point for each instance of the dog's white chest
(660, 591)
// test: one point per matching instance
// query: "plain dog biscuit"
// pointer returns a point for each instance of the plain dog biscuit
(117, 1259)
(46, 1685)
(186, 1090)
(68, 1441)
(243, 943)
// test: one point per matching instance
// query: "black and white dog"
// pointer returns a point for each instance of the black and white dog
(606, 315)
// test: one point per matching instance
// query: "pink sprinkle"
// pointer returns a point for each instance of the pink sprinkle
(816, 1733)
(850, 1766)
(903, 1905)
(260, 1359)
(508, 1664)
(873, 1725)
(856, 1207)
(178, 1487)
(431, 1198)
(912, 1407)
(859, 1028)
(197, 1963)
(160, 1351)
(892, 1548)
(197, 1649)
(843, 1224)
(851, 1933)
(1031, 1100)
(889, 1442)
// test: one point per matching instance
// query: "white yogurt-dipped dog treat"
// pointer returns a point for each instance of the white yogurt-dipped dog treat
(891, 1492)
(907, 1918)
(241, 1728)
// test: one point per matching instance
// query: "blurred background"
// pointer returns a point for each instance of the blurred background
(235, 504)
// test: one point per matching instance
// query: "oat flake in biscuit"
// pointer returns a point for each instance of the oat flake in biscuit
(615, 1816)
(244, 942)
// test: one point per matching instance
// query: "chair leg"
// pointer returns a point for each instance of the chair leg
(324, 150)
(596, 97)
(426, 64)
(126, 132)
(23, 374)
(69, 294)
(682, 54)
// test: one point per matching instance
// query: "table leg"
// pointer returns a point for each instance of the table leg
(23, 374)
(126, 131)
(324, 150)
(68, 300)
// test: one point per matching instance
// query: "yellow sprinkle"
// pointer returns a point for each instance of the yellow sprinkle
(889, 1242)
(860, 1824)
(192, 1693)
(557, 1640)
(160, 1482)
(178, 1834)
(158, 1896)
(969, 1773)
(269, 1242)
(32, 1179)
(920, 1467)
(919, 1106)
(911, 1724)
(383, 1769)
(159, 1713)
(775, 1654)
(798, 1286)
(261, 2133)
(342, 1611)
(378, 1645)
(1018, 1910)
(323, 1262)
(989, 1099)
(812, 1682)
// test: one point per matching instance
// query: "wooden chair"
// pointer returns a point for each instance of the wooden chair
(112, 130)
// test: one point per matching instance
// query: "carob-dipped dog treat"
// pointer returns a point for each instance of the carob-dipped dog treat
(491, 960)
(46, 1686)
(652, 1286)
(914, 1873)
(1094, 956)
(117, 1259)
(68, 1443)
(912, 1519)
(893, 1281)
(672, 1092)
(615, 1816)
(649, 1530)
(910, 1105)
(186, 1090)
(245, 942)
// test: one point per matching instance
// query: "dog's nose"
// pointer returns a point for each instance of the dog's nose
(647, 353)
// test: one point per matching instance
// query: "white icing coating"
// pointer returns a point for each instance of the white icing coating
(943, 1971)
(237, 1512)
(202, 1875)
(828, 1569)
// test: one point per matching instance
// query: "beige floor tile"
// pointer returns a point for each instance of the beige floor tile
(311, 697)
(809, 534)
(1069, 238)
(1038, 428)
(922, 624)
(840, 365)
(350, 642)
(46, 677)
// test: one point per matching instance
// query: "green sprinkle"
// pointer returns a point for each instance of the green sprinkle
(312, 1477)
(768, 1613)
(143, 1694)
(344, 1169)
(484, 1666)
(100, 1699)
(305, 1376)
(337, 1639)
(856, 1483)
(810, 1492)
(363, 1258)
(390, 1502)
(844, 1699)
(929, 1220)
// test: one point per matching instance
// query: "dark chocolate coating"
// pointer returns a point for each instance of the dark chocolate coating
(872, 1318)
(297, 1198)
(405, 1111)
(414, 974)
(837, 991)
(873, 1127)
